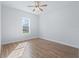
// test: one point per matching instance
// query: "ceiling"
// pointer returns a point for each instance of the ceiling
(22, 5)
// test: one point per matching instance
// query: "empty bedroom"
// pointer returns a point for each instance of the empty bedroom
(39, 29)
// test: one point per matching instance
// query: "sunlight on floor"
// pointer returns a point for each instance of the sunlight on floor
(22, 50)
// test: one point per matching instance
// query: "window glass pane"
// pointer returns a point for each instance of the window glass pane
(25, 24)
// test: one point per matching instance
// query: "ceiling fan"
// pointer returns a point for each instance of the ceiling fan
(38, 5)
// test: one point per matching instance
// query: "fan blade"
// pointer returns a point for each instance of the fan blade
(31, 6)
(41, 9)
(33, 10)
(43, 5)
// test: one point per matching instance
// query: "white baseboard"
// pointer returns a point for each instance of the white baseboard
(59, 42)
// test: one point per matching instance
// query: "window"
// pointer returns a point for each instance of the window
(25, 25)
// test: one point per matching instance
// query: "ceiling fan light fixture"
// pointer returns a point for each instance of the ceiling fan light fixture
(38, 7)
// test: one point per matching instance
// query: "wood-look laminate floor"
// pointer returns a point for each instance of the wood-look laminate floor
(38, 48)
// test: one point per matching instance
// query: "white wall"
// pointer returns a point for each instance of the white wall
(12, 27)
(60, 23)
(0, 27)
